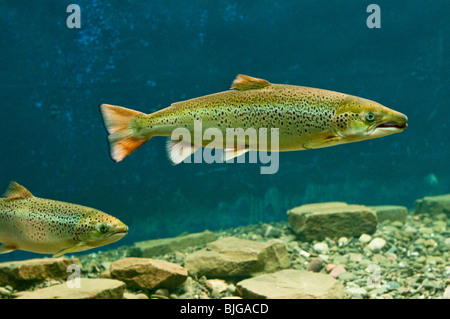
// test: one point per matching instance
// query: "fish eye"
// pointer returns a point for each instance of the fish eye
(370, 117)
(103, 228)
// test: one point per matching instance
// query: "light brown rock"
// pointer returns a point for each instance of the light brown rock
(24, 274)
(231, 256)
(433, 205)
(157, 247)
(390, 212)
(291, 284)
(332, 220)
(88, 289)
(146, 273)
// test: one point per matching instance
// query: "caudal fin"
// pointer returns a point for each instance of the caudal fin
(117, 122)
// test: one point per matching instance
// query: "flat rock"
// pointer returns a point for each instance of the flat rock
(157, 247)
(291, 284)
(88, 289)
(231, 256)
(24, 274)
(332, 220)
(391, 213)
(433, 205)
(146, 273)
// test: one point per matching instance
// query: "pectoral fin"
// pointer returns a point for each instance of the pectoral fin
(70, 249)
(321, 143)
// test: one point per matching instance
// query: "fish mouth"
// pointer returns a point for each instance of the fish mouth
(392, 125)
(122, 231)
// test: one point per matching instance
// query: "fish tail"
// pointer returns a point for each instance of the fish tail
(117, 122)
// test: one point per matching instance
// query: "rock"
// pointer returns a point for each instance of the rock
(232, 256)
(356, 292)
(433, 205)
(24, 274)
(336, 271)
(330, 267)
(218, 285)
(188, 286)
(321, 248)
(291, 284)
(376, 244)
(347, 276)
(392, 213)
(270, 231)
(332, 220)
(365, 238)
(315, 265)
(89, 289)
(355, 257)
(6, 293)
(128, 295)
(163, 292)
(146, 273)
(157, 247)
(430, 243)
(446, 294)
(343, 241)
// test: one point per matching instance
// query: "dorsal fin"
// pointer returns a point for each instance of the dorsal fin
(15, 190)
(244, 82)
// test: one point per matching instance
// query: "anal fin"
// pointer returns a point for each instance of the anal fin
(5, 248)
(230, 153)
(178, 151)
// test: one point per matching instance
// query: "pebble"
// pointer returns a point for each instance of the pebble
(218, 285)
(376, 244)
(425, 231)
(336, 271)
(272, 232)
(446, 294)
(343, 241)
(330, 267)
(5, 292)
(315, 265)
(347, 276)
(356, 292)
(410, 230)
(430, 243)
(365, 238)
(128, 295)
(392, 285)
(321, 248)
(397, 224)
(377, 291)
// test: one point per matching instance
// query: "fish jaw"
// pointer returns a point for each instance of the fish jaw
(393, 122)
(118, 232)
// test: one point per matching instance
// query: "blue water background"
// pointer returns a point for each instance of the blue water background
(146, 55)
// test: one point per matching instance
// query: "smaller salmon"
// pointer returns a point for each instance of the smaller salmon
(51, 227)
